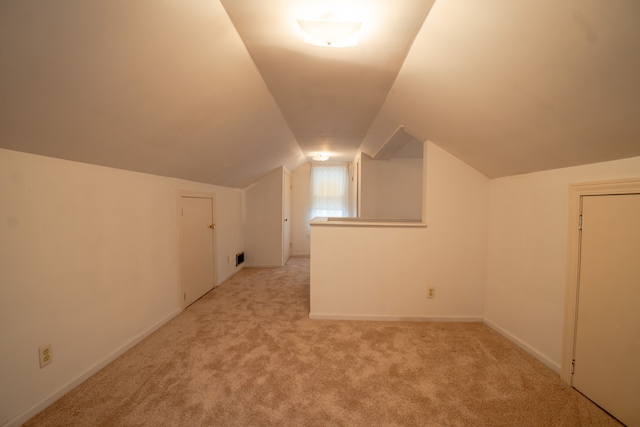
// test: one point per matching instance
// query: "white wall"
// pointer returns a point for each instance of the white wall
(391, 188)
(385, 272)
(89, 261)
(229, 229)
(263, 220)
(456, 213)
(527, 252)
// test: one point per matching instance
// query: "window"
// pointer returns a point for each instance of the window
(329, 191)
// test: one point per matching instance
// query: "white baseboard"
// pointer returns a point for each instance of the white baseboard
(526, 347)
(228, 276)
(41, 405)
(263, 265)
(385, 318)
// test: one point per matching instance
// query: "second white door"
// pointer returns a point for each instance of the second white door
(197, 247)
(607, 343)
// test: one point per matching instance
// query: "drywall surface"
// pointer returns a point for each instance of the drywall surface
(301, 210)
(384, 272)
(229, 229)
(89, 262)
(391, 188)
(527, 252)
(263, 221)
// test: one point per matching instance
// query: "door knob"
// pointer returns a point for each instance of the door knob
(212, 226)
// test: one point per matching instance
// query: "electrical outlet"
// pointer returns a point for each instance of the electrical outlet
(431, 292)
(45, 355)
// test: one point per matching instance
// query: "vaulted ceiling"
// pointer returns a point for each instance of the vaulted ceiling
(225, 91)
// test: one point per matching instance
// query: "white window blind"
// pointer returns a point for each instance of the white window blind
(329, 191)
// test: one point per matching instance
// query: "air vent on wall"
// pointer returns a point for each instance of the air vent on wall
(239, 258)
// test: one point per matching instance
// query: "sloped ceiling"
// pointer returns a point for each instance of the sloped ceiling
(190, 89)
(328, 96)
(512, 87)
(162, 87)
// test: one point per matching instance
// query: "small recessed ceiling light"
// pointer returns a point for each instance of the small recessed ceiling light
(321, 157)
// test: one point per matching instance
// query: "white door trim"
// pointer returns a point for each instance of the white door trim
(576, 192)
(286, 215)
(203, 195)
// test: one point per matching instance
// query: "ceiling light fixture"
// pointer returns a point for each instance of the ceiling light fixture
(321, 157)
(330, 31)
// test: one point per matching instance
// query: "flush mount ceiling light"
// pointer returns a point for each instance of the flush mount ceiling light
(330, 31)
(321, 157)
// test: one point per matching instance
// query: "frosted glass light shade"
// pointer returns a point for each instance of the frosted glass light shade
(331, 32)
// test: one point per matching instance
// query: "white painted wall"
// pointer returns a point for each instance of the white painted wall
(527, 252)
(301, 207)
(263, 220)
(385, 272)
(89, 262)
(391, 188)
(229, 230)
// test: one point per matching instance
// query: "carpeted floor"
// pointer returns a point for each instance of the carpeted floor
(246, 354)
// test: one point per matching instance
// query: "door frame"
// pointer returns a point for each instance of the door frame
(198, 195)
(576, 192)
(286, 246)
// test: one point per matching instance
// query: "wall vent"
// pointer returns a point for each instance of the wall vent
(239, 258)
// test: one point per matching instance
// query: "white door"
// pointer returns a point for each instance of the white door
(197, 250)
(607, 343)
(286, 229)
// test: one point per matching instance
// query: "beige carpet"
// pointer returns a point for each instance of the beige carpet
(246, 354)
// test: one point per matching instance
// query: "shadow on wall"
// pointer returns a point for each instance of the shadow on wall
(391, 180)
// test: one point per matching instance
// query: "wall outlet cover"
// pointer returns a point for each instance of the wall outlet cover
(45, 355)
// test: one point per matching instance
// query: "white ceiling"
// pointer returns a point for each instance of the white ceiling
(328, 96)
(223, 95)
(162, 87)
(520, 86)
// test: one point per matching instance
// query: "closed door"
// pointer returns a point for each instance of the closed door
(286, 229)
(197, 248)
(607, 343)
